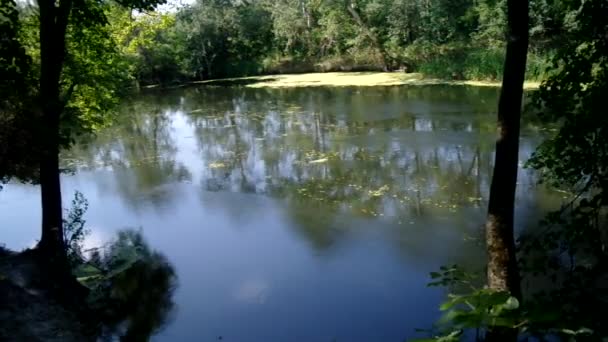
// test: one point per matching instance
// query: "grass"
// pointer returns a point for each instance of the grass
(348, 79)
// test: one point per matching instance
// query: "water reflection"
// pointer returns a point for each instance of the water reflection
(374, 153)
(390, 153)
(141, 149)
(314, 213)
(132, 297)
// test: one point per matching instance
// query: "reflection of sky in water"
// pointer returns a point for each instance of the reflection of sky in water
(299, 215)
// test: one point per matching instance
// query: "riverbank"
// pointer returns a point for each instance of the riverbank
(348, 79)
(108, 297)
(28, 312)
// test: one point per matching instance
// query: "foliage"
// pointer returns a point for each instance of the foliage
(94, 75)
(474, 307)
(570, 250)
(17, 143)
(457, 61)
(146, 41)
(97, 73)
(74, 230)
(226, 38)
(563, 263)
(222, 38)
(14, 62)
(575, 157)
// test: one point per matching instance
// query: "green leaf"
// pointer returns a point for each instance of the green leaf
(494, 298)
(511, 304)
(454, 300)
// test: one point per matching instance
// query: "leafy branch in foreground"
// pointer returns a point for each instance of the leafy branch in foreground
(471, 309)
(74, 231)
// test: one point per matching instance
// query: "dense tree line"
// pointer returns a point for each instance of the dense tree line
(460, 39)
(62, 63)
(226, 38)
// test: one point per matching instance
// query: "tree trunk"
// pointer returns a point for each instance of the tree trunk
(53, 25)
(502, 272)
(51, 242)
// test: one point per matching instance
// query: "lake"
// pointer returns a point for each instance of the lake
(309, 214)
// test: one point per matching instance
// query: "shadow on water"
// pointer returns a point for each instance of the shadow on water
(131, 288)
(125, 293)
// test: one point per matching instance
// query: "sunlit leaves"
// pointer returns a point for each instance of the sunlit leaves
(216, 38)
(479, 309)
(146, 42)
(471, 307)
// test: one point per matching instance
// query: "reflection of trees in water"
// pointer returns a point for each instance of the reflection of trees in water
(140, 148)
(392, 152)
(382, 152)
(133, 299)
(374, 151)
(225, 140)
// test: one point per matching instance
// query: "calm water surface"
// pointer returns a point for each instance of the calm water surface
(294, 215)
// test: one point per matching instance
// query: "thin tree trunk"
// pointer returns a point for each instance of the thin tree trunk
(351, 7)
(502, 272)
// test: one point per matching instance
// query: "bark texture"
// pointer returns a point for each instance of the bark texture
(502, 271)
(53, 25)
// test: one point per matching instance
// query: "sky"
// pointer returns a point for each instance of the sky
(170, 6)
(173, 5)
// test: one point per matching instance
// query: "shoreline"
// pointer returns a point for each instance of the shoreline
(30, 311)
(345, 79)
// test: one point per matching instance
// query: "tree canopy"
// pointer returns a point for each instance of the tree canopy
(226, 38)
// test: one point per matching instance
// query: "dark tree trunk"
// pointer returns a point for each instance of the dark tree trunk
(502, 273)
(51, 241)
(53, 25)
